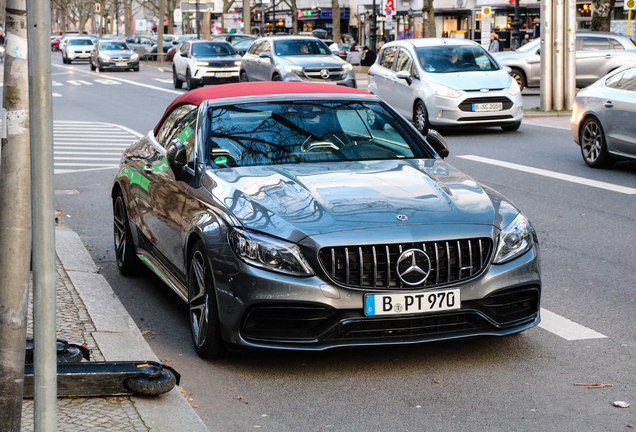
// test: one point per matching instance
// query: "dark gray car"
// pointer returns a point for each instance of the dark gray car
(604, 119)
(295, 58)
(291, 217)
(113, 54)
(596, 55)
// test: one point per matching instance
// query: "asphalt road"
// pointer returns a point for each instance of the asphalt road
(519, 383)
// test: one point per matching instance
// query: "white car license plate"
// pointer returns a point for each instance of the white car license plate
(120, 64)
(223, 74)
(411, 303)
(497, 106)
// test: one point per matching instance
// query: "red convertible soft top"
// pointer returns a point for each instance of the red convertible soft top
(198, 96)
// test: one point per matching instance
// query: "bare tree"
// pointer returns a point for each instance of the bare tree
(601, 15)
(335, 17)
(64, 7)
(227, 4)
(428, 23)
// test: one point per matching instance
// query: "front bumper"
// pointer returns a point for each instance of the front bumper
(112, 64)
(72, 55)
(445, 111)
(215, 75)
(349, 79)
(261, 309)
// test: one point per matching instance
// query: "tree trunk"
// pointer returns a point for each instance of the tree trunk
(601, 15)
(128, 18)
(162, 15)
(428, 22)
(170, 6)
(335, 18)
(294, 12)
(226, 9)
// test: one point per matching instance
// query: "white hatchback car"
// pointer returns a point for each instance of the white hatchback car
(446, 83)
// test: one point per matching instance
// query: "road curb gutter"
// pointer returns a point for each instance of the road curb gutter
(118, 337)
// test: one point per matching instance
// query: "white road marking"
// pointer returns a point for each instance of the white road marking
(566, 328)
(107, 81)
(57, 95)
(127, 81)
(553, 174)
(56, 84)
(164, 80)
(79, 82)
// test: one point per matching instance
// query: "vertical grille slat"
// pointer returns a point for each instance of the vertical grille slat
(451, 261)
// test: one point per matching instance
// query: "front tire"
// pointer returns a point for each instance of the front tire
(93, 66)
(276, 77)
(420, 118)
(593, 144)
(244, 77)
(205, 325)
(189, 81)
(519, 77)
(176, 82)
(512, 127)
(126, 258)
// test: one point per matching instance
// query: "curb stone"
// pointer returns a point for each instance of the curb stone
(118, 337)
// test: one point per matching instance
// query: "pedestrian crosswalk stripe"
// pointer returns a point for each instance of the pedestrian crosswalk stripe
(89, 146)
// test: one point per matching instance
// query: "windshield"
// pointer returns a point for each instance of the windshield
(442, 59)
(306, 132)
(114, 46)
(297, 47)
(530, 46)
(212, 49)
(80, 42)
(243, 44)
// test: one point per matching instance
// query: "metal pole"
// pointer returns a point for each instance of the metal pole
(570, 54)
(559, 82)
(546, 55)
(198, 23)
(15, 214)
(42, 196)
(116, 18)
(247, 17)
(372, 30)
(515, 28)
(274, 17)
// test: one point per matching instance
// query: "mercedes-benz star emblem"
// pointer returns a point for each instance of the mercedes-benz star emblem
(484, 90)
(402, 217)
(325, 73)
(413, 266)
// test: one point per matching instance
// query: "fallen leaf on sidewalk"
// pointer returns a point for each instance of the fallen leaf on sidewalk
(183, 392)
(195, 406)
(241, 399)
(596, 385)
(146, 332)
(435, 381)
(189, 399)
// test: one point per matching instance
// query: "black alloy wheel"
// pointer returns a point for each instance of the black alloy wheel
(276, 77)
(189, 81)
(420, 118)
(202, 306)
(518, 76)
(176, 82)
(244, 77)
(593, 144)
(92, 66)
(127, 260)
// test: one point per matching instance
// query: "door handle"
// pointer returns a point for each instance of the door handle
(148, 169)
(608, 56)
(608, 104)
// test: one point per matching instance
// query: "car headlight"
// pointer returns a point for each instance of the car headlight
(134, 56)
(104, 57)
(515, 240)
(298, 70)
(71, 54)
(514, 87)
(442, 90)
(237, 63)
(269, 253)
(199, 64)
(347, 67)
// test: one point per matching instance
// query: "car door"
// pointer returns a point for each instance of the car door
(619, 116)
(265, 67)
(384, 74)
(250, 60)
(400, 95)
(180, 62)
(166, 190)
(594, 58)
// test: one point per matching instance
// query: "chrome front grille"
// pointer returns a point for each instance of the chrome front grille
(375, 266)
(335, 73)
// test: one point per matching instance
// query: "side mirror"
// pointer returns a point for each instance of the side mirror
(183, 54)
(176, 155)
(265, 54)
(538, 52)
(405, 75)
(437, 141)
(174, 42)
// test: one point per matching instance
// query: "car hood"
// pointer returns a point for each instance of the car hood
(506, 56)
(229, 60)
(295, 201)
(117, 53)
(498, 79)
(314, 61)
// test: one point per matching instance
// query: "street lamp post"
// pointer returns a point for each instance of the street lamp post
(372, 29)
(410, 29)
(515, 28)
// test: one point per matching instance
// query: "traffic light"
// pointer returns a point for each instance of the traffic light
(98, 7)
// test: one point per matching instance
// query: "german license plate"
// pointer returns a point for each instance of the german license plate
(223, 74)
(120, 64)
(497, 106)
(411, 303)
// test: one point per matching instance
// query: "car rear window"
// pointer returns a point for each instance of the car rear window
(617, 45)
(595, 44)
(273, 133)
(388, 57)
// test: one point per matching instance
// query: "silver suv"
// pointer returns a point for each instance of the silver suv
(295, 59)
(597, 54)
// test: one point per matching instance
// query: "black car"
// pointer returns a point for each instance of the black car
(113, 54)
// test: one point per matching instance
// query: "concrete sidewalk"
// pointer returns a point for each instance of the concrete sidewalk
(89, 312)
